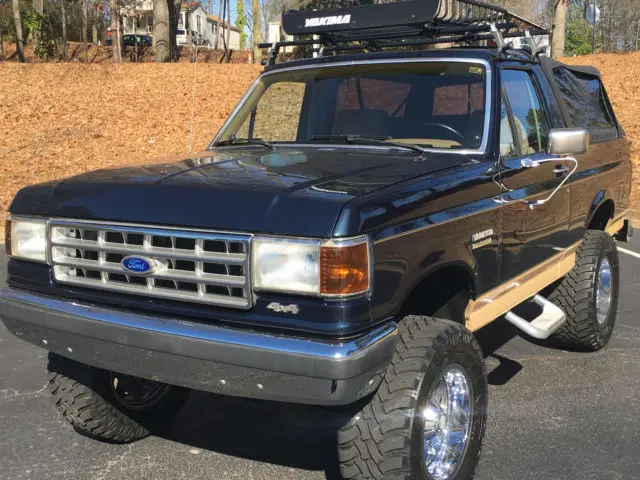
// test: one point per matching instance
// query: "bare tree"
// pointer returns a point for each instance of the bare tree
(256, 31)
(114, 26)
(558, 29)
(217, 40)
(38, 7)
(85, 26)
(65, 43)
(165, 29)
(161, 30)
(15, 4)
(174, 15)
(228, 22)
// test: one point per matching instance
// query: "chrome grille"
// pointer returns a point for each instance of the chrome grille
(202, 267)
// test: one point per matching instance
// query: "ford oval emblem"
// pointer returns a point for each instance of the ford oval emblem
(140, 265)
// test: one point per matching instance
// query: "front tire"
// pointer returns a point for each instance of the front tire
(589, 294)
(109, 406)
(427, 419)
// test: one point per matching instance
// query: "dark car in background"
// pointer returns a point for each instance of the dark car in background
(139, 40)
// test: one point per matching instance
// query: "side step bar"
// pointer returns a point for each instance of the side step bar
(551, 318)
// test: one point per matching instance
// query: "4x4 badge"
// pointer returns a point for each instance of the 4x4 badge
(277, 307)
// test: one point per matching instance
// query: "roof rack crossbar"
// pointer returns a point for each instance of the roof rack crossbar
(411, 22)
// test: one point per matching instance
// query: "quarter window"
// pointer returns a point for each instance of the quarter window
(530, 120)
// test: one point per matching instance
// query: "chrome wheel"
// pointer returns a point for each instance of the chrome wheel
(603, 292)
(447, 423)
(137, 393)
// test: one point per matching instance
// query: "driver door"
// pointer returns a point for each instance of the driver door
(531, 234)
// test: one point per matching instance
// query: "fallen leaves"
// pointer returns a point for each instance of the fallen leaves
(58, 120)
(621, 77)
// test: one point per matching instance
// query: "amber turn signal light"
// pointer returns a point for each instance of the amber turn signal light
(344, 268)
(7, 237)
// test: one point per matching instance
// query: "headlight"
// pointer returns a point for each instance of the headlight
(27, 238)
(333, 268)
(286, 265)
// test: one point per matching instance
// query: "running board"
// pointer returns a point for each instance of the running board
(551, 318)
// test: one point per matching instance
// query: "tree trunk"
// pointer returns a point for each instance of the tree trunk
(114, 26)
(217, 39)
(37, 6)
(240, 22)
(257, 31)
(65, 44)
(85, 26)
(223, 22)
(1, 46)
(161, 30)
(558, 29)
(228, 24)
(174, 15)
(18, 25)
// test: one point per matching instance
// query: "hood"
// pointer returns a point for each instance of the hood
(291, 191)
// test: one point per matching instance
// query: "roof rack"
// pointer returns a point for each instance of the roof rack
(404, 23)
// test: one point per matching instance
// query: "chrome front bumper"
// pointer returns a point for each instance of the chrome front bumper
(201, 356)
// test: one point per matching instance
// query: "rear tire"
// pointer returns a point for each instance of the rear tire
(388, 438)
(89, 399)
(589, 322)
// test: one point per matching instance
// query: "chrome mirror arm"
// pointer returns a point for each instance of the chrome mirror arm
(528, 163)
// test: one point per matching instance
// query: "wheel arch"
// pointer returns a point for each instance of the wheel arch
(443, 291)
(602, 210)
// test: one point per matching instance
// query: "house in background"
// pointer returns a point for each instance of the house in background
(137, 17)
(192, 25)
(195, 26)
(218, 27)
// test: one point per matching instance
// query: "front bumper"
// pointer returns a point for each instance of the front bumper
(201, 356)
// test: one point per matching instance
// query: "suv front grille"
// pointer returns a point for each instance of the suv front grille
(202, 267)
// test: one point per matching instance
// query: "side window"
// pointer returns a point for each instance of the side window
(278, 114)
(584, 99)
(531, 125)
(507, 143)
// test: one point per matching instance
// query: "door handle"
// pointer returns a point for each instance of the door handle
(560, 170)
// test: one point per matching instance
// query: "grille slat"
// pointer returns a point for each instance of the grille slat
(174, 275)
(205, 267)
(226, 258)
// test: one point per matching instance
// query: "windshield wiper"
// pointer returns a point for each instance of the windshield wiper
(245, 141)
(362, 140)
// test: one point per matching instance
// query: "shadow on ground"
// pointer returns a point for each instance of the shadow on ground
(296, 436)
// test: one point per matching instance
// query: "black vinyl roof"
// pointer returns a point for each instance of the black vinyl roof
(550, 64)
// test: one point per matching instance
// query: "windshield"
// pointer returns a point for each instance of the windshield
(430, 104)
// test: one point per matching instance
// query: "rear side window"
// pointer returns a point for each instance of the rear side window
(584, 101)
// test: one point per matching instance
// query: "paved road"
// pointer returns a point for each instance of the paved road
(553, 415)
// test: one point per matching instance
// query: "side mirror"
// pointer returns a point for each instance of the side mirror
(568, 141)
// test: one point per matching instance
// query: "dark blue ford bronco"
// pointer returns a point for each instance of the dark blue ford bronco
(357, 218)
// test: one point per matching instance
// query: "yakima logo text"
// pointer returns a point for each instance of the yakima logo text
(322, 21)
